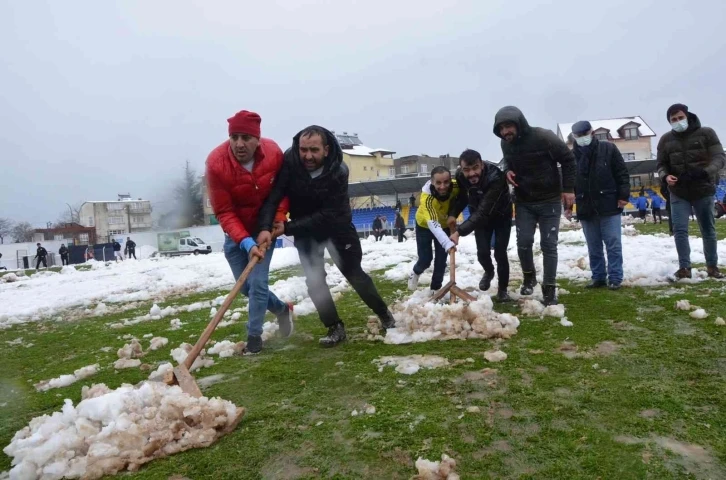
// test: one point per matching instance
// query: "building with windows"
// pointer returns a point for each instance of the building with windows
(70, 233)
(124, 216)
(414, 165)
(365, 163)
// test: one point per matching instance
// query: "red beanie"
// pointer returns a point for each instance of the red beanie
(245, 122)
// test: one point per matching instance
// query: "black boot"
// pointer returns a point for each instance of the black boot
(486, 281)
(503, 296)
(254, 345)
(530, 280)
(336, 335)
(550, 297)
(387, 320)
(597, 284)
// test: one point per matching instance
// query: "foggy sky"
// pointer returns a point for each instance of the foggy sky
(100, 98)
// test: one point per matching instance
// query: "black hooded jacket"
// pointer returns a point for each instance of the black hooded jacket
(63, 250)
(318, 206)
(533, 156)
(489, 200)
(602, 180)
(695, 157)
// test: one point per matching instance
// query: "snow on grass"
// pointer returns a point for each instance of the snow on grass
(495, 356)
(175, 324)
(158, 342)
(65, 380)
(225, 348)
(159, 373)
(557, 311)
(532, 308)
(408, 365)
(130, 350)
(699, 314)
(443, 470)
(123, 363)
(114, 430)
(180, 353)
(683, 305)
(565, 322)
(720, 322)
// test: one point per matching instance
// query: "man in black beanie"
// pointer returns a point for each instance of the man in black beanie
(690, 158)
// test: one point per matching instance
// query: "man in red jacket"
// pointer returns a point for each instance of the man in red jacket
(240, 174)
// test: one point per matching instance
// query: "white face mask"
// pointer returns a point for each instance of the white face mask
(680, 126)
(584, 141)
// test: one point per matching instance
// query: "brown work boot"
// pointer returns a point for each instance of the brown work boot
(714, 272)
(683, 273)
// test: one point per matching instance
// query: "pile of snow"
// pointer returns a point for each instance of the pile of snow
(565, 322)
(114, 430)
(720, 322)
(101, 310)
(367, 409)
(269, 329)
(566, 224)
(411, 364)
(65, 380)
(683, 305)
(443, 470)
(131, 350)
(630, 231)
(175, 324)
(160, 372)
(699, 314)
(158, 342)
(532, 308)
(557, 311)
(122, 363)
(155, 311)
(180, 353)
(225, 348)
(495, 356)
(419, 320)
(17, 341)
(630, 220)
(9, 278)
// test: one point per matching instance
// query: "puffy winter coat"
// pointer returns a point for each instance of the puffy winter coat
(533, 157)
(695, 157)
(488, 200)
(63, 250)
(236, 194)
(131, 245)
(377, 224)
(602, 179)
(41, 252)
(641, 203)
(656, 202)
(319, 206)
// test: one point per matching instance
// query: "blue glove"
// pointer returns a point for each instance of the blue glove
(246, 244)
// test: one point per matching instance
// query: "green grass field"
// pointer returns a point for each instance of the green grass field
(634, 390)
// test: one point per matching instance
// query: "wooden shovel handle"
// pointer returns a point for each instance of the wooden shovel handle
(452, 266)
(222, 310)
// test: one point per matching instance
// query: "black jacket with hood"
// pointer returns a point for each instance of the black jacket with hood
(533, 156)
(488, 201)
(602, 180)
(63, 250)
(695, 157)
(318, 206)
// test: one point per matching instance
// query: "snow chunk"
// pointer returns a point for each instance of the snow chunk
(269, 329)
(158, 342)
(100, 310)
(554, 311)
(443, 470)
(212, 312)
(565, 322)
(180, 353)
(532, 308)
(122, 363)
(65, 380)
(155, 311)
(411, 364)
(370, 410)
(699, 314)
(720, 322)
(148, 335)
(473, 409)
(683, 305)
(160, 372)
(9, 278)
(130, 350)
(225, 348)
(113, 430)
(236, 316)
(175, 324)
(495, 355)
(17, 341)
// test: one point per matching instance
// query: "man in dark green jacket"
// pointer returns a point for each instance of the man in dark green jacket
(690, 158)
(531, 156)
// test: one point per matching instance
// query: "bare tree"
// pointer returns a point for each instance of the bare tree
(6, 227)
(71, 214)
(22, 232)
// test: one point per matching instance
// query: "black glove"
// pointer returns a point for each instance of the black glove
(698, 173)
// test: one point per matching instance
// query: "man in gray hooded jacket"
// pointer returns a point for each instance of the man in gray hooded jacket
(531, 155)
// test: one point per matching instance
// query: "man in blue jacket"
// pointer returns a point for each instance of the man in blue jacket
(641, 204)
(656, 203)
(602, 189)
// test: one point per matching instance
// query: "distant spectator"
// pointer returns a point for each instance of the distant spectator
(40, 254)
(398, 204)
(642, 205)
(378, 228)
(117, 251)
(384, 225)
(1, 267)
(63, 251)
(656, 203)
(400, 226)
(130, 248)
(412, 200)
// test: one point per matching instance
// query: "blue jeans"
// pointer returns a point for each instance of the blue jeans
(255, 287)
(604, 230)
(426, 254)
(547, 215)
(680, 211)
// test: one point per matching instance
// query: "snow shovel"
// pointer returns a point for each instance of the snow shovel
(181, 375)
(451, 287)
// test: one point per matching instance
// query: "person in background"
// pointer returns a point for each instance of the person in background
(378, 228)
(432, 240)
(690, 158)
(63, 251)
(641, 203)
(412, 200)
(656, 203)
(398, 204)
(117, 251)
(40, 254)
(384, 225)
(315, 179)
(240, 174)
(602, 189)
(1, 267)
(130, 248)
(400, 226)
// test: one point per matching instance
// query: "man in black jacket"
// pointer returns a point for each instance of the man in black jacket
(40, 254)
(130, 248)
(315, 180)
(602, 189)
(531, 155)
(117, 251)
(485, 190)
(400, 226)
(378, 228)
(63, 251)
(690, 158)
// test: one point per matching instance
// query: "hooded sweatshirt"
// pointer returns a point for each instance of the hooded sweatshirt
(319, 206)
(434, 211)
(533, 156)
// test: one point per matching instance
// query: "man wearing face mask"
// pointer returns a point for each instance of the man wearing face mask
(531, 156)
(690, 158)
(436, 197)
(485, 190)
(602, 189)
(315, 180)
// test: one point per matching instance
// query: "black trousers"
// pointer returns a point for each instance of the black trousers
(64, 259)
(656, 211)
(344, 247)
(502, 228)
(401, 231)
(41, 259)
(132, 253)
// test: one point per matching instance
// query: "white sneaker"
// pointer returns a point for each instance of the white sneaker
(413, 281)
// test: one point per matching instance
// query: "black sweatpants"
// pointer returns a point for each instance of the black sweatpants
(344, 247)
(64, 259)
(656, 212)
(41, 259)
(132, 253)
(502, 228)
(401, 231)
